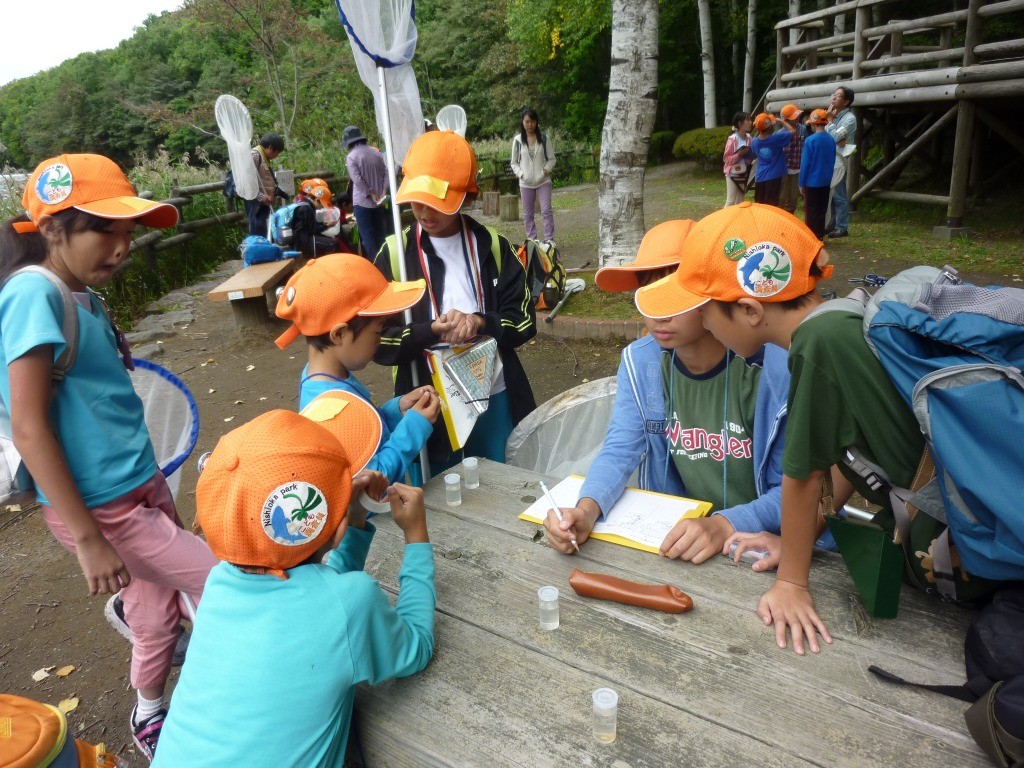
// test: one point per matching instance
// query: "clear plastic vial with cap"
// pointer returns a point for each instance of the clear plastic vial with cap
(606, 710)
(548, 597)
(471, 472)
(453, 489)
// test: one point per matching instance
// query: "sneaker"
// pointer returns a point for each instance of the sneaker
(837, 233)
(114, 613)
(147, 733)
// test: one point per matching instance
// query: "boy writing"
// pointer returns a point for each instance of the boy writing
(753, 274)
(698, 421)
(282, 638)
(340, 303)
(816, 165)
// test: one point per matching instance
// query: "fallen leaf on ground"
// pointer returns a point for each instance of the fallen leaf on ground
(262, 399)
(212, 391)
(250, 367)
(211, 360)
(229, 418)
(65, 671)
(41, 674)
(68, 705)
(239, 402)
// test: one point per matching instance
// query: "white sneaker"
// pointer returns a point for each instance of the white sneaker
(114, 613)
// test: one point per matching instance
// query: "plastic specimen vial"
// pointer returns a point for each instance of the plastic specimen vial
(453, 489)
(606, 709)
(471, 472)
(548, 597)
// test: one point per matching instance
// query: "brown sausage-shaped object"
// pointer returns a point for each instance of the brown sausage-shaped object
(660, 597)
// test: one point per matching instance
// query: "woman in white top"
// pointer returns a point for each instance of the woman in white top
(533, 159)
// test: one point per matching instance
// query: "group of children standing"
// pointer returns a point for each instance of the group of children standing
(287, 614)
(788, 156)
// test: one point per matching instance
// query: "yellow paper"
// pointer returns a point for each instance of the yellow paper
(324, 409)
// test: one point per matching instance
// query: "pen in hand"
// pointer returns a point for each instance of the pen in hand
(557, 511)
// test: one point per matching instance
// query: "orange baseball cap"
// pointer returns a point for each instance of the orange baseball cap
(277, 488)
(818, 117)
(335, 288)
(764, 121)
(661, 247)
(440, 169)
(748, 250)
(328, 410)
(90, 183)
(791, 112)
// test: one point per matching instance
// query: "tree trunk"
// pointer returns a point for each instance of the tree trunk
(735, 45)
(748, 66)
(707, 63)
(626, 136)
(794, 11)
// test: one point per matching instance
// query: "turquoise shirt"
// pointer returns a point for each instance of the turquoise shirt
(98, 418)
(272, 666)
(403, 435)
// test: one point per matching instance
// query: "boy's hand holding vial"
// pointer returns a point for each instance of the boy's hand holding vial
(408, 512)
(762, 550)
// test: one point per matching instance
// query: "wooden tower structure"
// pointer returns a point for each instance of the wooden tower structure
(954, 77)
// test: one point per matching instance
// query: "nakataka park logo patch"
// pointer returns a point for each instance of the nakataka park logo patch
(763, 269)
(54, 184)
(294, 514)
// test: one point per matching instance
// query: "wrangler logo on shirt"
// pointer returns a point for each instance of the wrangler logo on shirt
(696, 443)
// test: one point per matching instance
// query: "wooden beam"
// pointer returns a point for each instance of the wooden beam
(816, 45)
(911, 197)
(906, 154)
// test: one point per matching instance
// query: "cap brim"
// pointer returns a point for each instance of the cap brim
(623, 278)
(287, 337)
(397, 297)
(148, 212)
(666, 298)
(354, 422)
(449, 204)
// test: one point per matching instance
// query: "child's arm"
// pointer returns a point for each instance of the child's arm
(549, 166)
(789, 603)
(408, 437)
(30, 374)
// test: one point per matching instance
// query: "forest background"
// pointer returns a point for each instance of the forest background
(290, 62)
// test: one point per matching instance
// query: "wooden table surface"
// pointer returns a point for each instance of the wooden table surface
(705, 688)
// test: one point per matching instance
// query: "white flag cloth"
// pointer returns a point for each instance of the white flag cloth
(383, 34)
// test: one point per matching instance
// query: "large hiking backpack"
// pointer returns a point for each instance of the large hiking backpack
(282, 231)
(256, 249)
(954, 352)
(545, 274)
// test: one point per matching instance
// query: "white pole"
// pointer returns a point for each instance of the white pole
(397, 220)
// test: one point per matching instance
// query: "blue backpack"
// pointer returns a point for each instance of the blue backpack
(257, 249)
(954, 351)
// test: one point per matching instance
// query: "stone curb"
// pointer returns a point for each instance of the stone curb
(565, 327)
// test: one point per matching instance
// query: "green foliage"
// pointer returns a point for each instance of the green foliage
(662, 144)
(703, 145)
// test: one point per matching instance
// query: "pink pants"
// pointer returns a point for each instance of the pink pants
(530, 198)
(162, 559)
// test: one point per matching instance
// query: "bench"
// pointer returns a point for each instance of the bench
(247, 290)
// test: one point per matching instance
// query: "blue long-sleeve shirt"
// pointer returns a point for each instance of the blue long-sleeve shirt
(818, 160)
(404, 434)
(273, 664)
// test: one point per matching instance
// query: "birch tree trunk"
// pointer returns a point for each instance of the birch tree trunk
(735, 45)
(626, 136)
(794, 11)
(748, 65)
(707, 63)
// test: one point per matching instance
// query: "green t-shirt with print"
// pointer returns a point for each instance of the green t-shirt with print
(710, 428)
(840, 396)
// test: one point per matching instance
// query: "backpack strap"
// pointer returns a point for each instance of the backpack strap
(961, 692)
(66, 360)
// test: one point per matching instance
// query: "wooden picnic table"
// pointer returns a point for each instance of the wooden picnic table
(705, 688)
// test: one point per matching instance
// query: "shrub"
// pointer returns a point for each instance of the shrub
(661, 147)
(703, 145)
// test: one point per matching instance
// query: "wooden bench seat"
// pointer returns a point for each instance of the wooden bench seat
(247, 290)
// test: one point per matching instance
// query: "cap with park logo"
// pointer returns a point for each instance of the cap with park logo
(744, 251)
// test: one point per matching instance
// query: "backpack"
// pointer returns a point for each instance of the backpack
(954, 352)
(281, 227)
(16, 486)
(545, 274)
(229, 185)
(256, 249)
(36, 734)
(994, 659)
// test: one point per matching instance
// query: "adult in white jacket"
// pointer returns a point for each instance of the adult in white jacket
(533, 159)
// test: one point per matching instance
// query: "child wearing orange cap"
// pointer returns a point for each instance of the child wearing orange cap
(475, 287)
(669, 423)
(285, 634)
(768, 147)
(816, 172)
(789, 192)
(752, 277)
(78, 424)
(340, 303)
